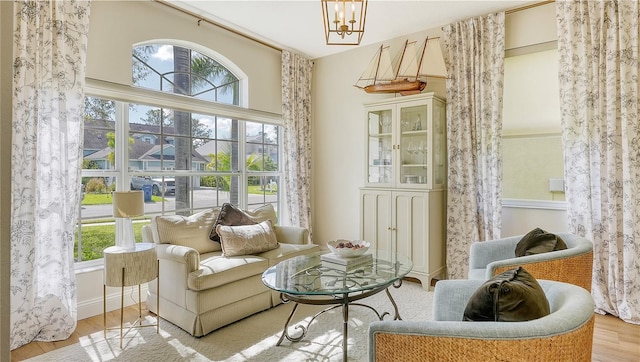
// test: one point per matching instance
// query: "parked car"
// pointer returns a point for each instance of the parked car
(157, 184)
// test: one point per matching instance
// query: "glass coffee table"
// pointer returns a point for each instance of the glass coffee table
(309, 280)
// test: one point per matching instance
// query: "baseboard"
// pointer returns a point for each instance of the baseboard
(94, 307)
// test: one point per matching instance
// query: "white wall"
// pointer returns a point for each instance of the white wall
(338, 138)
(115, 26)
(338, 128)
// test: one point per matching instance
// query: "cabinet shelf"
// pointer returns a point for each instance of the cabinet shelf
(414, 133)
(408, 165)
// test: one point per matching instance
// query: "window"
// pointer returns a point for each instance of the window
(531, 127)
(181, 148)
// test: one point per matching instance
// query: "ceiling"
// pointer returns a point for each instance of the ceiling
(297, 25)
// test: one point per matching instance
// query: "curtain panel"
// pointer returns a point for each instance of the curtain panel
(599, 100)
(50, 41)
(296, 113)
(475, 64)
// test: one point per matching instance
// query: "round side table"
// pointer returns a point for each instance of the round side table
(125, 267)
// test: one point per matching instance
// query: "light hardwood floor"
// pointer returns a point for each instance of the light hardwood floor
(613, 339)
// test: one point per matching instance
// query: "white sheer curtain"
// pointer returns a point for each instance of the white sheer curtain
(296, 112)
(49, 71)
(599, 99)
(475, 57)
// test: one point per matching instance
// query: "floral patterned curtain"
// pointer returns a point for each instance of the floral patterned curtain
(475, 57)
(296, 112)
(599, 100)
(50, 41)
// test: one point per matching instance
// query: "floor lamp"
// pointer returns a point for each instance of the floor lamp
(127, 204)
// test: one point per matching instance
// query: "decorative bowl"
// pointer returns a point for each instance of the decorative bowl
(348, 248)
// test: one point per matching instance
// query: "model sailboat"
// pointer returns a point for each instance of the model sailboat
(410, 74)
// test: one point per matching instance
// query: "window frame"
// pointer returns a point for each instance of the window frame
(125, 95)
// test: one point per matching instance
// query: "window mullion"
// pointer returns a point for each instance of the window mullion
(122, 146)
(243, 197)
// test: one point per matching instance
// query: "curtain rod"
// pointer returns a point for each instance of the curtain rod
(201, 19)
(530, 6)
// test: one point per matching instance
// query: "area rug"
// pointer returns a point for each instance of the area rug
(254, 338)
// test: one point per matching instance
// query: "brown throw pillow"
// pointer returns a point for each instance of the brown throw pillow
(513, 296)
(247, 239)
(230, 215)
(538, 241)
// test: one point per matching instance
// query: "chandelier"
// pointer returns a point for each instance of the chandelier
(344, 21)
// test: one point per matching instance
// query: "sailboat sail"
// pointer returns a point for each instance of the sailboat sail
(409, 77)
(433, 62)
(409, 62)
(380, 67)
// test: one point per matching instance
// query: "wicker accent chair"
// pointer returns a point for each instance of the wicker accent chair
(572, 265)
(564, 335)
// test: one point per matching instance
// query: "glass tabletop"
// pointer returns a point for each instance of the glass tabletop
(309, 275)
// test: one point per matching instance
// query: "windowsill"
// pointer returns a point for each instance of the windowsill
(534, 204)
(89, 266)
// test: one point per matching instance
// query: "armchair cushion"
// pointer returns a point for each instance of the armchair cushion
(538, 241)
(247, 239)
(513, 296)
(192, 231)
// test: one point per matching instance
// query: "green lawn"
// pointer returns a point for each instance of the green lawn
(96, 238)
(256, 190)
(101, 199)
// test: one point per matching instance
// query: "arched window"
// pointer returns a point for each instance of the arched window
(180, 135)
(180, 70)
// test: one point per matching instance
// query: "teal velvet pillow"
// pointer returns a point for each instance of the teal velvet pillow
(538, 241)
(513, 296)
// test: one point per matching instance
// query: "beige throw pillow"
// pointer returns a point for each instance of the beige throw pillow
(247, 239)
(192, 231)
(264, 212)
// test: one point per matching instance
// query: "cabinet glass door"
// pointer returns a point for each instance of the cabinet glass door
(380, 146)
(439, 143)
(414, 145)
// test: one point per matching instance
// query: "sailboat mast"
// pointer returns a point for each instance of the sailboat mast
(375, 77)
(401, 58)
(422, 57)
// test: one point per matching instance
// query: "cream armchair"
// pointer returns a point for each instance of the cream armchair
(572, 265)
(566, 334)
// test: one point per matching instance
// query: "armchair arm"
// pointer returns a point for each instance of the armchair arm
(451, 296)
(482, 253)
(178, 254)
(292, 234)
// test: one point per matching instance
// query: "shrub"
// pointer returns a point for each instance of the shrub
(96, 185)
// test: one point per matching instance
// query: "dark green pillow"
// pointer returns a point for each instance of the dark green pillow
(513, 296)
(538, 241)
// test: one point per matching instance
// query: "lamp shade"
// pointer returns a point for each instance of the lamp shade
(128, 203)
